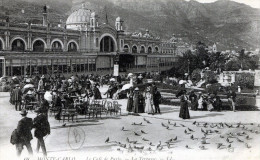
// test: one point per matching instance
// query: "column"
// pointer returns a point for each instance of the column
(4, 68)
(7, 40)
(88, 64)
(30, 65)
(67, 66)
(51, 66)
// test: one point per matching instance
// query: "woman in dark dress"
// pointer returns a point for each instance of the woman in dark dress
(217, 104)
(141, 103)
(97, 94)
(136, 100)
(194, 101)
(130, 101)
(184, 110)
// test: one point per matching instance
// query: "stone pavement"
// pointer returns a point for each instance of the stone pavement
(86, 138)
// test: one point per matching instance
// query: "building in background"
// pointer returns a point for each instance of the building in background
(83, 45)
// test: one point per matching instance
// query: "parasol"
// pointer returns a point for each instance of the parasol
(28, 86)
(130, 75)
(48, 96)
(112, 80)
(126, 86)
(182, 82)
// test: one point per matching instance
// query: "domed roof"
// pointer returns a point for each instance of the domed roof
(80, 16)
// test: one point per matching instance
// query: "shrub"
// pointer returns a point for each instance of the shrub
(211, 77)
(245, 80)
(196, 76)
(241, 101)
(213, 89)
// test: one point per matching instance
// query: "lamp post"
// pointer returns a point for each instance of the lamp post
(188, 68)
(116, 64)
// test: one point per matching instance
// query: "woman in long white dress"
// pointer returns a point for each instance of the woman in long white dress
(149, 103)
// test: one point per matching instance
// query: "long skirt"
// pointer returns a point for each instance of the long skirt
(130, 105)
(184, 111)
(148, 106)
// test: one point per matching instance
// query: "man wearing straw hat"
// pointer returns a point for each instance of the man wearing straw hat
(24, 132)
(17, 97)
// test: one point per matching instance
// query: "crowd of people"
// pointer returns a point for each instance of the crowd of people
(61, 92)
(146, 101)
(202, 102)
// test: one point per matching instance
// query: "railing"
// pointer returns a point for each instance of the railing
(18, 25)
(5, 53)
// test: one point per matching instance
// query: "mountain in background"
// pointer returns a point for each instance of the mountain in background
(229, 24)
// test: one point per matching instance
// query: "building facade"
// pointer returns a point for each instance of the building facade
(82, 46)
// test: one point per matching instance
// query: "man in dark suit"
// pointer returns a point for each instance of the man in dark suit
(232, 99)
(42, 128)
(156, 100)
(17, 97)
(24, 132)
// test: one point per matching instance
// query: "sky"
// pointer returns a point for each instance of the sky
(252, 3)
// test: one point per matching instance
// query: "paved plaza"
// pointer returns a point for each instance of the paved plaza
(140, 135)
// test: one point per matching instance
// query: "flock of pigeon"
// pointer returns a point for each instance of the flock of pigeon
(225, 134)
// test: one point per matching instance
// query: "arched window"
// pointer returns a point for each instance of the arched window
(107, 44)
(126, 48)
(72, 47)
(38, 46)
(134, 49)
(156, 49)
(149, 49)
(142, 49)
(56, 46)
(18, 45)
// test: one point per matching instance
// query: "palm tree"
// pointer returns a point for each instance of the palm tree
(242, 60)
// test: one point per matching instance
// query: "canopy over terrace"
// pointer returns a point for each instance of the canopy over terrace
(33, 64)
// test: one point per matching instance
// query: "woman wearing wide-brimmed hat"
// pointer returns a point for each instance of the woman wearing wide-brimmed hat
(130, 96)
(184, 110)
(149, 102)
(136, 100)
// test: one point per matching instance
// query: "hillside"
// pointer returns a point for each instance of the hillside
(229, 24)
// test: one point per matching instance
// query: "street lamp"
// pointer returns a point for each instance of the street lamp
(188, 68)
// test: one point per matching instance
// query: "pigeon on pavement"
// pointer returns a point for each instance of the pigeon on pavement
(239, 140)
(248, 138)
(219, 145)
(159, 144)
(143, 132)
(107, 140)
(182, 125)
(202, 147)
(229, 140)
(130, 149)
(190, 130)
(247, 145)
(136, 134)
